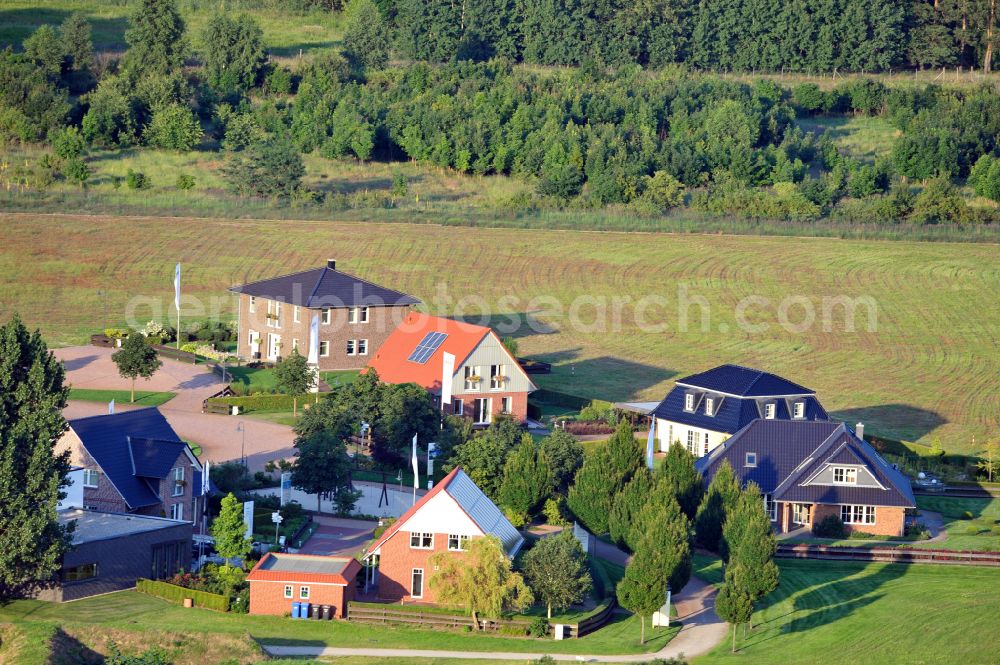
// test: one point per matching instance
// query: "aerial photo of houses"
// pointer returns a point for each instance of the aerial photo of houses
(440, 332)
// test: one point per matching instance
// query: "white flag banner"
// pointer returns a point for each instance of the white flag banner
(416, 468)
(314, 340)
(248, 519)
(205, 479)
(447, 372)
(177, 289)
(650, 442)
(111, 407)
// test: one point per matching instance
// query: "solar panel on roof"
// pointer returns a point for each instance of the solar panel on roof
(427, 346)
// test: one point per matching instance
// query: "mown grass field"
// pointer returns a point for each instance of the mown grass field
(928, 369)
(833, 612)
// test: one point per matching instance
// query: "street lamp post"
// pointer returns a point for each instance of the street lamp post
(243, 444)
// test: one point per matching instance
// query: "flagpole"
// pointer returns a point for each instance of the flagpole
(177, 302)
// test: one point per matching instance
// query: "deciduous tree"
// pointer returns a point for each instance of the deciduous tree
(76, 42)
(294, 376)
(322, 466)
(556, 571)
(229, 530)
(155, 37)
(32, 473)
(366, 36)
(481, 581)
(135, 359)
(234, 52)
(564, 456)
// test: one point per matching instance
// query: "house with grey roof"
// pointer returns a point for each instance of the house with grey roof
(704, 409)
(134, 462)
(355, 316)
(112, 550)
(808, 470)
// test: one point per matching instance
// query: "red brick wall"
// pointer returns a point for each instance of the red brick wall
(888, 521)
(519, 403)
(269, 597)
(381, 322)
(397, 562)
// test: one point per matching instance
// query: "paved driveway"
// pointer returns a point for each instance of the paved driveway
(336, 536)
(92, 367)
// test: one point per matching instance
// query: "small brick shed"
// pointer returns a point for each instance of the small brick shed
(278, 580)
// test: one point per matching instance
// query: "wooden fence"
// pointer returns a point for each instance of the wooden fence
(888, 555)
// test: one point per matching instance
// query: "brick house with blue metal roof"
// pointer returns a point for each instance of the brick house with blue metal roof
(808, 470)
(703, 410)
(134, 462)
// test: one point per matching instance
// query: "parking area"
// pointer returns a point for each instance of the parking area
(336, 536)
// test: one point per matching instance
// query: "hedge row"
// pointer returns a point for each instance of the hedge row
(259, 402)
(177, 594)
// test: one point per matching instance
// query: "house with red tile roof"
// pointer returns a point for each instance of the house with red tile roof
(279, 579)
(443, 520)
(487, 380)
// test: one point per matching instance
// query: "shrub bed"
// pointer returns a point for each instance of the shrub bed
(177, 594)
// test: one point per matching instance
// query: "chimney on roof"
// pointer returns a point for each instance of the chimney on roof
(331, 264)
(859, 430)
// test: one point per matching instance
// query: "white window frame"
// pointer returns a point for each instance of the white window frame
(326, 316)
(709, 406)
(798, 517)
(421, 538)
(689, 402)
(799, 410)
(770, 410)
(362, 346)
(91, 478)
(295, 344)
(496, 371)
(324, 348)
(295, 314)
(277, 313)
(252, 306)
(705, 447)
(692, 442)
(458, 407)
(460, 541)
(177, 511)
(771, 507)
(289, 591)
(472, 370)
(363, 315)
(507, 405)
(352, 347)
(178, 479)
(268, 321)
(352, 315)
(304, 592)
(848, 475)
(857, 514)
(413, 575)
(487, 410)
(747, 460)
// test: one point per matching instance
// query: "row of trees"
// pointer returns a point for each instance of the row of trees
(747, 35)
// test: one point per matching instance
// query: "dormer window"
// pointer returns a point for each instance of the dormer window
(769, 410)
(689, 402)
(799, 410)
(843, 475)
(750, 460)
(709, 406)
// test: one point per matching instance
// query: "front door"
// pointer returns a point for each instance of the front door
(484, 408)
(273, 346)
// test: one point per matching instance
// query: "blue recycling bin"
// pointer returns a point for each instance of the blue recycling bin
(303, 610)
(295, 610)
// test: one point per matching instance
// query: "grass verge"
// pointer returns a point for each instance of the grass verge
(142, 397)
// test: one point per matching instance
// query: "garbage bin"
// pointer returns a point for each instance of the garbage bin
(295, 610)
(327, 613)
(304, 611)
(317, 613)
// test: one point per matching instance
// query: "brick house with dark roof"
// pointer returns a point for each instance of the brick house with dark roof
(134, 462)
(356, 316)
(703, 410)
(809, 470)
(487, 380)
(443, 520)
(278, 580)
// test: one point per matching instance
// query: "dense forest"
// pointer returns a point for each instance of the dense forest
(591, 135)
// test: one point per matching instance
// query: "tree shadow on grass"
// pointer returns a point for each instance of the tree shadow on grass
(17, 24)
(894, 421)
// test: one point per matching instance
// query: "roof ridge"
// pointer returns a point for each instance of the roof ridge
(268, 279)
(319, 280)
(370, 283)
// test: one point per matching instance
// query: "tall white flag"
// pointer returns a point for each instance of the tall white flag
(650, 440)
(416, 469)
(111, 407)
(314, 340)
(177, 288)
(447, 372)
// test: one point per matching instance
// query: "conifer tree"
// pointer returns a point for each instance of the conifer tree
(625, 508)
(683, 481)
(720, 498)
(32, 474)
(155, 37)
(603, 474)
(527, 480)
(76, 41)
(366, 36)
(753, 554)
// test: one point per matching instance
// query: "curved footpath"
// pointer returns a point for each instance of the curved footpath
(702, 630)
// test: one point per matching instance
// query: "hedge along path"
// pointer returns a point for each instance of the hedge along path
(926, 370)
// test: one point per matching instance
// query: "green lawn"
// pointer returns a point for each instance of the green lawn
(982, 532)
(865, 138)
(143, 397)
(834, 612)
(133, 611)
